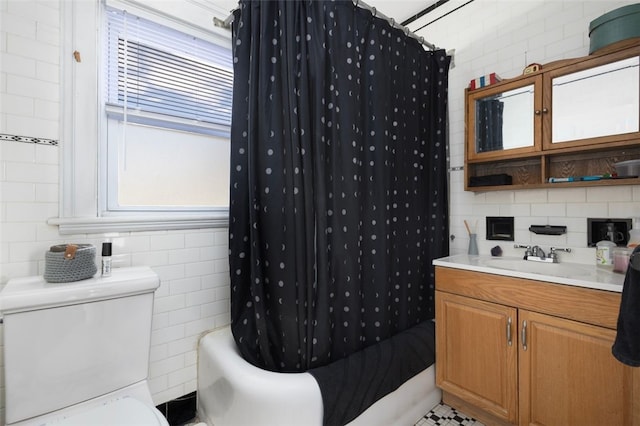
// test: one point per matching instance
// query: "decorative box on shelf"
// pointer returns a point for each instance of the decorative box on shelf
(485, 80)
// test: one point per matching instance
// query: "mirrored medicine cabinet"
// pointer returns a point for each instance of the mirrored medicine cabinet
(595, 102)
(504, 120)
(574, 117)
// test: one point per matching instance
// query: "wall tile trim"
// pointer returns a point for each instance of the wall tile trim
(28, 139)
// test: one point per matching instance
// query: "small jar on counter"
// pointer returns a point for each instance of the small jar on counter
(621, 259)
(604, 253)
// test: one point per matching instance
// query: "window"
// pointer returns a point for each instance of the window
(167, 110)
(141, 150)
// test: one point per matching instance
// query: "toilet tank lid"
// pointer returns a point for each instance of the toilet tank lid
(31, 293)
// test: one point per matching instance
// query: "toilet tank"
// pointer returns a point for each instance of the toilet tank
(71, 342)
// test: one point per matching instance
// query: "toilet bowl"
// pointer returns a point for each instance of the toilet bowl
(78, 353)
(129, 406)
(119, 412)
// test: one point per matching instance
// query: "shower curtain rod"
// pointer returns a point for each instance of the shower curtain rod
(394, 24)
(359, 3)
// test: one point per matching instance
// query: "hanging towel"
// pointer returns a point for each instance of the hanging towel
(626, 347)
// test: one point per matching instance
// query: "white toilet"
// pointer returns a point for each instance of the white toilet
(78, 353)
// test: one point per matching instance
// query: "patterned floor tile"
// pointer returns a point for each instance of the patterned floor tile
(443, 415)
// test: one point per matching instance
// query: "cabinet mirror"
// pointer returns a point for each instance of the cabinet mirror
(505, 120)
(596, 102)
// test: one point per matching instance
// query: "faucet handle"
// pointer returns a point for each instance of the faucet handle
(527, 252)
(553, 255)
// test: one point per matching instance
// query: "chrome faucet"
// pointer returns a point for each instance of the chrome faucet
(536, 251)
(536, 254)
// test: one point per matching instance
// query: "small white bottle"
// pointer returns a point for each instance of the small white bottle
(106, 259)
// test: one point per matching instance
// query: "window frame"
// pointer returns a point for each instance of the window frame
(83, 201)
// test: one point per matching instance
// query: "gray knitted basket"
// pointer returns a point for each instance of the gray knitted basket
(69, 262)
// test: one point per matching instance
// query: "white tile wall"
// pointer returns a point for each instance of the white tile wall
(487, 35)
(504, 36)
(192, 265)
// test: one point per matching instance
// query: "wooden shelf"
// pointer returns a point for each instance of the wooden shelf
(534, 172)
(578, 184)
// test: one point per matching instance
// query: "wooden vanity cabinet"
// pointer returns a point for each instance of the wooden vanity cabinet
(475, 360)
(569, 377)
(514, 351)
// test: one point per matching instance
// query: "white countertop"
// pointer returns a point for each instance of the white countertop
(575, 274)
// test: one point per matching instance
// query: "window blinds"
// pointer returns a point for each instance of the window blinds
(155, 71)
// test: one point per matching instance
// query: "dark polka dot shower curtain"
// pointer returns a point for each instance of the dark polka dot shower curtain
(339, 195)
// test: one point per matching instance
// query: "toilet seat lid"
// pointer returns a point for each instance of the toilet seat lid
(125, 411)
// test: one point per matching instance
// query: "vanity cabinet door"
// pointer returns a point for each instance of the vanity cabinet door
(476, 353)
(568, 375)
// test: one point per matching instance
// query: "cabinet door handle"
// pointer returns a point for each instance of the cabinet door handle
(509, 341)
(524, 335)
(545, 110)
(537, 112)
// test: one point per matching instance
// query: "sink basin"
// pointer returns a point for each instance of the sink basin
(564, 270)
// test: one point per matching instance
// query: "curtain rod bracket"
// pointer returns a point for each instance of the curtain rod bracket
(222, 24)
(226, 24)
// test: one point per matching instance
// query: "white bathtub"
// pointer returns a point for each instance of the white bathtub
(232, 392)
